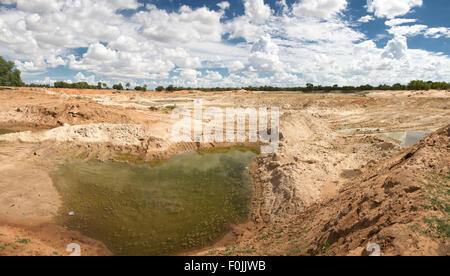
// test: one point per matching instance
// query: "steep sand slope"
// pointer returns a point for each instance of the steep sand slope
(401, 204)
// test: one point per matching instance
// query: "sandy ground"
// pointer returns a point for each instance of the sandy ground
(314, 165)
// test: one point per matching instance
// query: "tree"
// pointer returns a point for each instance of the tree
(99, 85)
(128, 85)
(105, 85)
(8, 75)
(160, 88)
(170, 88)
(118, 86)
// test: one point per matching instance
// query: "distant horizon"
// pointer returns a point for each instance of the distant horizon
(233, 43)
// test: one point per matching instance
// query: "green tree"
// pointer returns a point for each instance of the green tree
(128, 85)
(170, 88)
(8, 75)
(118, 86)
(160, 88)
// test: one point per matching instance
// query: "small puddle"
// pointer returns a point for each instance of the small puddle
(408, 138)
(185, 203)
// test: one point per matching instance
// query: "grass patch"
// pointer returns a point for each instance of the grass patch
(264, 236)
(23, 241)
(212, 252)
(437, 193)
(437, 228)
(247, 251)
(325, 247)
(229, 251)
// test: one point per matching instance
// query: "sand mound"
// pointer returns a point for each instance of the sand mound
(124, 135)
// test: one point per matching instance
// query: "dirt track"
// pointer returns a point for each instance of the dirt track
(315, 163)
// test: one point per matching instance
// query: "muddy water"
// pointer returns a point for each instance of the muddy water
(185, 203)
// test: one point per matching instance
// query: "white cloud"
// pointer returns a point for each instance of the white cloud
(396, 48)
(257, 11)
(213, 76)
(412, 30)
(390, 8)
(438, 32)
(319, 8)
(80, 77)
(45, 81)
(224, 5)
(399, 21)
(187, 25)
(264, 57)
(38, 6)
(366, 19)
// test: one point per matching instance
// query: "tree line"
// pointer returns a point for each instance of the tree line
(413, 85)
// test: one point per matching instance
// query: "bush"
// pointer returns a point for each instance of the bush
(140, 88)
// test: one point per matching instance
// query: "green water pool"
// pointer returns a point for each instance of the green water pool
(185, 203)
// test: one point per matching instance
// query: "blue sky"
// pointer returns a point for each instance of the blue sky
(227, 43)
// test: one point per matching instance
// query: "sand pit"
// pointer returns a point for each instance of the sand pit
(315, 162)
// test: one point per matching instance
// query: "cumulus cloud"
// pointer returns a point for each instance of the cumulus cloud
(396, 48)
(80, 77)
(213, 76)
(319, 8)
(45, 81)
(257, 11)
(109, 62)
(391, 9)
(264, 57)
(185, 25)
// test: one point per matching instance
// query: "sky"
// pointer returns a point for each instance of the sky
(234, 43)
